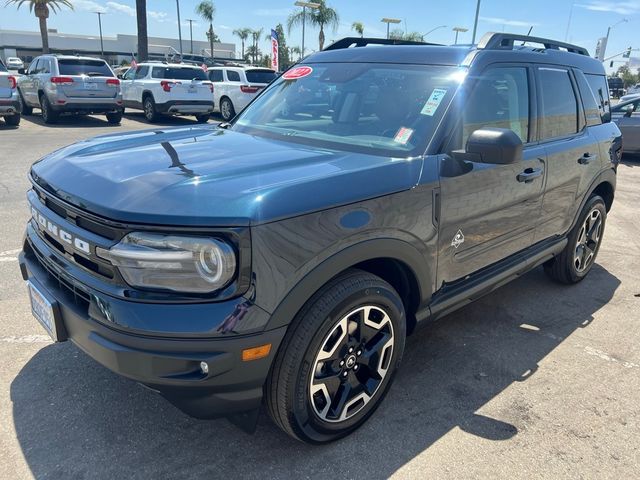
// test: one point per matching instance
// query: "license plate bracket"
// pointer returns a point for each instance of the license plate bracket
(47, 311)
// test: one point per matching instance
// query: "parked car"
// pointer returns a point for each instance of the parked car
(630, 96)
(285, 259)
(9, 100)
(168, 88)
(627, 116)
(235, 87)
(72, 85)
(14, 63)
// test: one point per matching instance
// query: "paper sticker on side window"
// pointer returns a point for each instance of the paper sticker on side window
(434, 102)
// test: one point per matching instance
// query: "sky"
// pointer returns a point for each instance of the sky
(581, 22)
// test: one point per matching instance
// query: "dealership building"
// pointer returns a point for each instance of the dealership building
(28, 45)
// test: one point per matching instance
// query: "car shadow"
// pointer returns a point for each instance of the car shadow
(65, 121)
(75, 419)
(167, 120)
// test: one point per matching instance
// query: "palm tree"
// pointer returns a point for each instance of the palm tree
(297, 51)
(255, 35)
(319, 17)
(243, 35)
(358, 27)
(207, 10)
(143, 39)
(41, 8)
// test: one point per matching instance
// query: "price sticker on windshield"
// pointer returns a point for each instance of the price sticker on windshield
(403, 135)
(434, 102)
(296, 73)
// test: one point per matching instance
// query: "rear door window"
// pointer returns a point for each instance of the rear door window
(233, 76)
(260, 76)
(216, 76)
(91, 68)
(559, 103)
(179, 73)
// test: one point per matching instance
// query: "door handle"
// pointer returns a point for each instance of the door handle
(529, 175)
(586, 158)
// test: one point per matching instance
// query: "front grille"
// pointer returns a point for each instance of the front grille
(80, 296)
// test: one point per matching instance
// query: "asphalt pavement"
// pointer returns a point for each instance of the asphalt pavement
(536, 380)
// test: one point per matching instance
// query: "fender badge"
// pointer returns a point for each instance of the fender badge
(458, 239)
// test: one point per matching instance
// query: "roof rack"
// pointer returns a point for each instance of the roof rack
(348, 42)
(505, 41)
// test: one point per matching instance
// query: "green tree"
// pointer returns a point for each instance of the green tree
(41, 9)
(243, 35)
(627, 76)
(399, 34)
(319, 17)
(255, 36)
(141, 22)
(207, 10)
(358, 27)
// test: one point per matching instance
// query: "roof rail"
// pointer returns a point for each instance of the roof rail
(361, 42)
(505, 41)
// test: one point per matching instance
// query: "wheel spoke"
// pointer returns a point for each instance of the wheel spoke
(594, 229)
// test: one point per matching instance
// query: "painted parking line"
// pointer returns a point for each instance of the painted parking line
(10, 255)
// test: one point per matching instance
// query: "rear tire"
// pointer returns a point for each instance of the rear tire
(338, 359)
(24, 108)
(227, 112)
(114, 118)
(12, 120)
(576, 260)
(48, 115)
(150, 112)
(203, 118)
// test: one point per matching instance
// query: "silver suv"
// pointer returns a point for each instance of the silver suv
(64, 84)
(9, 103)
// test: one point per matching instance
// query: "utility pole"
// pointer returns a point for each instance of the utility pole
(100, 27)
(179, 26)
(190, 32)
(475, 23)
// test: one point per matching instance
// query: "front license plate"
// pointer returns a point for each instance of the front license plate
(43, 310)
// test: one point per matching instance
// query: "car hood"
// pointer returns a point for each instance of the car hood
(210, 176)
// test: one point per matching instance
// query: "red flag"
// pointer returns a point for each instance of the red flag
(134, 64)
(204, 67)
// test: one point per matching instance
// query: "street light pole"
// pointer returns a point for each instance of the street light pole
(100, 27)
(432, 30)
(624, 20)
(179, 26)
(459, 30)
(389, 21)
(190, 33)
(304, 6)
(475, 23)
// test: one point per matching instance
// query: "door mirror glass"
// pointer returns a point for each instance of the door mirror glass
(499, 146)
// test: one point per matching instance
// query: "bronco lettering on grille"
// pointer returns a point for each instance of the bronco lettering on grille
(60, 234)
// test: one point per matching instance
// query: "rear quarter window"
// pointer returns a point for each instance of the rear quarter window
(589, 102)
(233, 76)
(92, 68)
(260, 76)
(600, 88)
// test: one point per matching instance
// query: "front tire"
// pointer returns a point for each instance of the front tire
(576, 260)
(338, 360)
(202, 118)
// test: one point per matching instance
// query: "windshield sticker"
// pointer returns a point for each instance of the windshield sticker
(434, 102)
(403, 135)
(298, 72)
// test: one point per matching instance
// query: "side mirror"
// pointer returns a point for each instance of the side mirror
(628, 110)
(21, 71)
(499, 146)
(120, 76)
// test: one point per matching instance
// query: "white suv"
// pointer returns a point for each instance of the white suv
(168, 88)
(235, 87)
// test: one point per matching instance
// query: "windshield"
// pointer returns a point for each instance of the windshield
(179, 73)
(91, 68)
(260, 76)
(380, 109)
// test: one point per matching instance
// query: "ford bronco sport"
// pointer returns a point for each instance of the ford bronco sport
(284, 257)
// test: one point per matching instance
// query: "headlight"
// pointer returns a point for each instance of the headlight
(172, 262)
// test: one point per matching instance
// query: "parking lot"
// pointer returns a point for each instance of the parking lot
(536, 380)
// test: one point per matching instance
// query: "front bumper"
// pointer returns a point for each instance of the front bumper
(185, 107)
(9, 106)
(167, 364)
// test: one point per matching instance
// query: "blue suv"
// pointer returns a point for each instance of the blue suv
(285, 256)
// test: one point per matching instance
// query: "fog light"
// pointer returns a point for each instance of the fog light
(204, 366)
